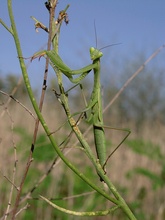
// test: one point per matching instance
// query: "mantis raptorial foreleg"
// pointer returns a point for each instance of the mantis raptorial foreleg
(58, 63)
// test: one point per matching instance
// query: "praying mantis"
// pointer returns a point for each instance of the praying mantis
(95, 103)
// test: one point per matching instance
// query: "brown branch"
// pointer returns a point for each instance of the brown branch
(133, 76)
(12, 93)
(51, 17)
(11, 97)
(14, 167)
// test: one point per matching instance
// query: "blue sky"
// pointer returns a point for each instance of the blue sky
(138, 25)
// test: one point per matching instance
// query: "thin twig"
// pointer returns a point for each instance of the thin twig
(5, 26)
(133, 76)
(16, 100)
(14, 167)
(12, 93)
(10, 181)
(22, 209)
(73, 197)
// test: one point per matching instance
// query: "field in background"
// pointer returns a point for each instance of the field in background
(143, 191)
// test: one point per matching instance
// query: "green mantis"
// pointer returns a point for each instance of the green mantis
(95, 103)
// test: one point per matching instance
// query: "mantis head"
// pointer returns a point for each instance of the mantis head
(95, 53)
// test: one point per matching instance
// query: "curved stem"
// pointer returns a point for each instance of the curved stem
(118, 200)
(40, 116)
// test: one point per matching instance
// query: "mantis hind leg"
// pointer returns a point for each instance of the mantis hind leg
(116, 148)
(121, 142)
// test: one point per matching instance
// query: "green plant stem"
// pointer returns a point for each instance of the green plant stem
(71, 212)
(119, 201)
(5, 26)
(39, 115)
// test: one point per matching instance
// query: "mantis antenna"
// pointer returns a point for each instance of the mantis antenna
(110, 45)
(95, 33)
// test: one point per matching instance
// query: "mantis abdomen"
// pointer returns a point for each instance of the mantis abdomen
(99, 138)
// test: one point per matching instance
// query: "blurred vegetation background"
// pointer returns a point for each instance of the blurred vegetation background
(137, 167)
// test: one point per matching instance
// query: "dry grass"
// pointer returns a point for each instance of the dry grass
(119, 164)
